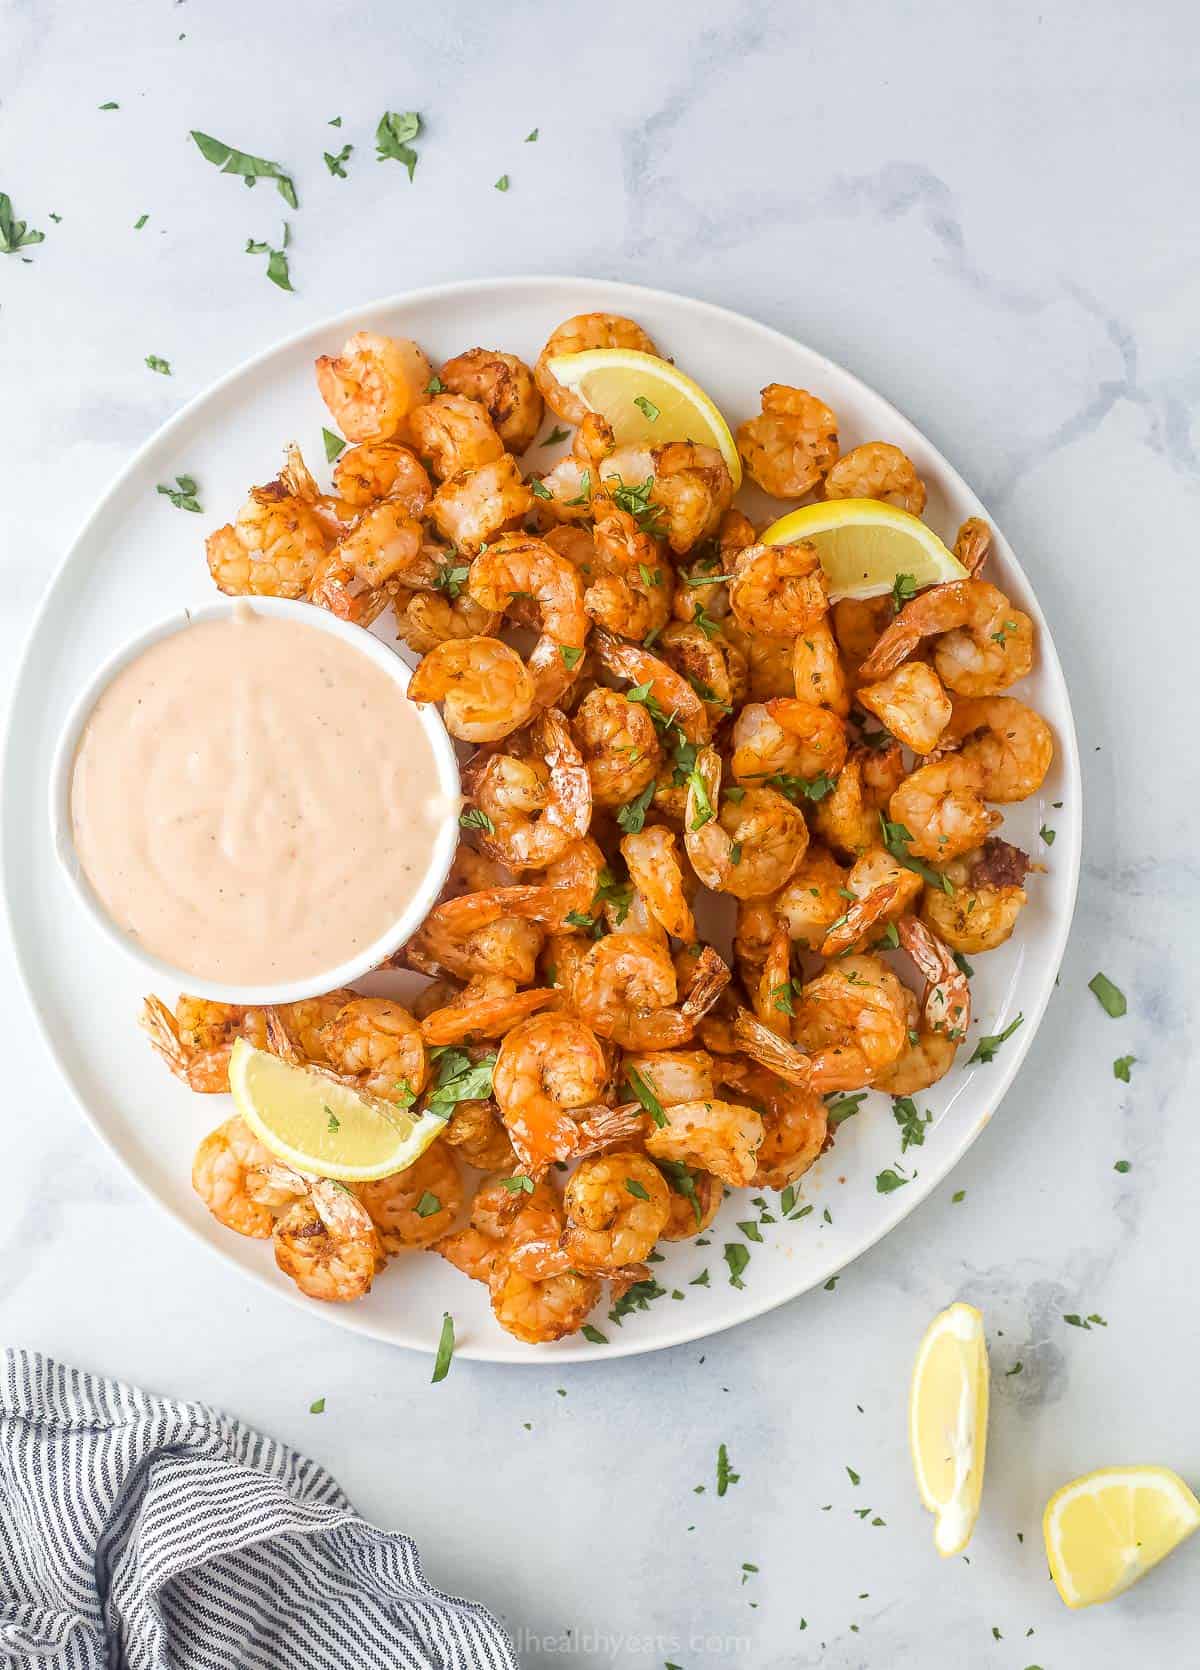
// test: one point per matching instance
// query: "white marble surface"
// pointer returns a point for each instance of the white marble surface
(984, 212)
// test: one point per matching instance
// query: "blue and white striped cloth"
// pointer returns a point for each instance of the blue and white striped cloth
(137, 1533)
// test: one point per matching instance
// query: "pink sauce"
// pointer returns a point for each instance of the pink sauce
(254, 800)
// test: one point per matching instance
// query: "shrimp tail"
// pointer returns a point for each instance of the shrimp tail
(771, 1051)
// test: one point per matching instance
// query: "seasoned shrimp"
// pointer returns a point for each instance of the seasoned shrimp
(327, 1244)
(498, 944)
(619, 745)
(769, 660)
(941, 809)
(858, 623)
(573, 336)
(508, 791)
(488, 1007)
(688, 485)
(671, 1075)
(946, 1001)
(199, 1055)
(851, 1022)
(877, 470)
(848, 817)
(476, 1131)
(549, 1080)
(925, 1058)
(474, 505)
(654, 868)
(504, 386)
(630, 588)
(748, 846)
(1011, 745)
(787, 737)
(353, 579)
(484, 686)
(983, 643)
(674, 696)
(792, 444)
(272, 550)
(881, 889)
(814, 898)
(375, 470)
(714, 667)
(617, 1206)
(519, 563)
(454, 433)
(626, 989)
(414, 1207)
(770, 985)
(817, 670)
(779, 589)
(795, 1123)
(696, 1198)
(424, 619)
(701, 598)
(227, 1174)
(989, 894)
(910, 703)
(537, 1310)
(377, 1043)
(373, 385)
(972, 544)
(721, 1137)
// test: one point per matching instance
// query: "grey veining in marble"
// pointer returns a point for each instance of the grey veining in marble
(988, 213)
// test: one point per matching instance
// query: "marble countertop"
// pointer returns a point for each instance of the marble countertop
(980, 211)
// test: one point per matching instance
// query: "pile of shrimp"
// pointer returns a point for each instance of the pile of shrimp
(660, 709)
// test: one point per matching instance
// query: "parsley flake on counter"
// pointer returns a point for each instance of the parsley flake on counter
(502, 185)
(1111, 998)
(277, 261)
(15, 234)
(163, 367)
(986, 1048)
(531, 136)
(854, 1478)
(1122, 1166)
(1121, 1067)
(140, 222)
(183, 494)
(958, 1197)
(336, 163)
(393, 135)
(445, 1350)
(725, 1473)
(250, 169)
(317, 1406)
(111, 105)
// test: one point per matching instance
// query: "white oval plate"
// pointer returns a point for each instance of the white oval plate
(137, 558)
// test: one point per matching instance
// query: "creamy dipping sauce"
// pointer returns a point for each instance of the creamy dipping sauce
(254, 800)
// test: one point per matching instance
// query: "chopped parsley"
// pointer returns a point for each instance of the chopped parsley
(725, 1473)
(571, 655)
(593, 1334)
(392, 138)
(1085, 1322)
(435, 385)
(796, 789)
(428, 1205)
(15, 234)
(317, 1406)
(958, 1197)
(1122, 1166)
(1121, 1067)
(334, 445)
(251, 169)
(277, 261)
(336, 164)
(517, 1184)
(632, 816)
(473, 818)
(183, 494)
(459, 1079)
(1111, 998)
(1047, 835)
(904, 589)
(556, 435)
(644, 1091)
(682, 1180)
(896, 839)
(140, 222)
(531, 136)
(445, 1350)
(986, 1048)
(335, 1124)
(539, 489)
(638, 1296)
(647, 408)
(889, 1180)
(704, 806)
(111, 105)
(736, 1257)
(502, 183)
(450, 578)
(636, 1189)
(635, 501)
(912, 1125)
(163, 367)
(843, 1107)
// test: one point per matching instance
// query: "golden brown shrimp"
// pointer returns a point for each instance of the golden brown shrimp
(792, 444)
(415, 1207)
(273, 549)
(504, 385)
(779, 589)
(425, 619)
(972, 544)
(488, 1007)
(795, 1123)
(689, 487)
(509, 791)
(565, 493)
(375, 470)
(496, 944)
(327, 1244)
(475, 1130)
(747, 846)
(227, 1174)
(881, 889)
(519, 563)
(454, 434)
(770, 985)
(700, 598)
(670, 1075)
(925, 1058)
(654, 868)
(787, 737)
(353, 580)
(910, 703)
(877, 470)
(989, 894)
(983, 643)
(1010, 744)
(549, 1081)
(373, 385)
(714, 667)
(946, 1001)
(198, 1055)
(674, 696)
(696, 1198)
(817, 671)
(769, 660)
(484, 686)
(848, 817)
(474, 505)
(616, 1206)
(626, 989)
(574, 336)
(850, 1023)
(814, 898)
(721, 1137)
(941, 809)
(619, 745)
(630, 587)
(537, 1310)
(377, 1043)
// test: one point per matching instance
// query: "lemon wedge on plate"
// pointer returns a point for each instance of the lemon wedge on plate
(1106, 1529)
(947, 1423)
(319, 1125)
(647, 401)
(864, 544)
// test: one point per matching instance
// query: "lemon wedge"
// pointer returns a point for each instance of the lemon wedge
(1106, 1529)
(865, 544)
(947, 1423)
(647, 400)
(319, 1125)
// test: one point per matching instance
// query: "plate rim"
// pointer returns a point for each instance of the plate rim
(343, 1317)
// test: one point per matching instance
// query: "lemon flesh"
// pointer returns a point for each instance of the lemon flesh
(947, 1423)
(865, 544)
(319, 1125)
(647, 401)
(1105, 1530)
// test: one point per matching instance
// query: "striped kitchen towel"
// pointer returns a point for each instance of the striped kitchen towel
(137, 1533)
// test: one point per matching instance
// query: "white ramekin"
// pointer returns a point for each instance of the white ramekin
(287, 991)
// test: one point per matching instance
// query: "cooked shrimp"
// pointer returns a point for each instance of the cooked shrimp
(792, 444)
(488, 1007)
(626, 989)
(1011, 745)
(504, 385)
(795, 1123)
(769, 660)
(746, 846)
(519, 563)
(857, 625)
(200, 1057)
(881, 889)
(671, 1075)
(549, 1080)
(619, 745)
(376, 470)
(714, 667)
(654, 868)
(877, 470)
(500, 786)
(272, 550)
(700, 598)
(941, 809)
(988, 896)
(850, 1022)
(493, 944)
(474, 505)
(771, 984)
(373, 385)
(630, 588)
(689, 485)
(674, 695)
(911, 704)
(779, 589)
(454, 434)
(327, 1244)
(376, 1042)
(696, 1198)
(787, 737)
(617, 1206)
(926, 1058)
(227, 1175)
(484, 686)
(721, 1137)
(352, 579)
(573, 336)
(814, 898)
(983, 643)
(848, 817)
(476, 1131)
(946, 1001)
(424, 619)
(414, 1207)
(817, 670)
(537, 1310)
(972, 544)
